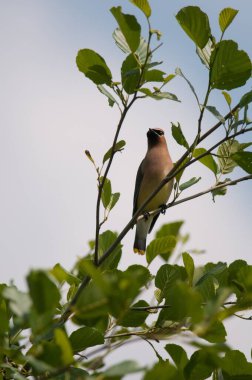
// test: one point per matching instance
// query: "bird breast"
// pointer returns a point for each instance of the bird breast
(155, 168)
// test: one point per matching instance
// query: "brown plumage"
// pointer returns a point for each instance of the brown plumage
(152, 170)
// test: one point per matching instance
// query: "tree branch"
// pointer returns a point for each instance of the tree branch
(212, 188)
(104, 177)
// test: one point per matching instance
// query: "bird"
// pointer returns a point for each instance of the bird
(155, 166)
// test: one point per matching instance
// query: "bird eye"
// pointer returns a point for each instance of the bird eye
(159, 132)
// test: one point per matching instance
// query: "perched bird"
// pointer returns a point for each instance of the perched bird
(152, 170)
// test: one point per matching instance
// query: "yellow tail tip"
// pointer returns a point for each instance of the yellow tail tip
(139, 251)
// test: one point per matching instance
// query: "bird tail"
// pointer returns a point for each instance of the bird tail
(139, 245)
(142, 228)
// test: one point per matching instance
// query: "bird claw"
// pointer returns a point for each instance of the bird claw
(146, 215)
(163, 209)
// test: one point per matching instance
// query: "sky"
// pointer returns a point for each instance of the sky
(51, 113)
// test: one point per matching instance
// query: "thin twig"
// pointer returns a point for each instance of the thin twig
(203, 107)
(147, 308)
(244, 318)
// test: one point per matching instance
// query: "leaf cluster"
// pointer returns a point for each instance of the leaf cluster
(113, 309)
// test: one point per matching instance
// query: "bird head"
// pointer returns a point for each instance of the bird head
(155, 136)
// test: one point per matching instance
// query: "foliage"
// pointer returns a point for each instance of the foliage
(48, 331)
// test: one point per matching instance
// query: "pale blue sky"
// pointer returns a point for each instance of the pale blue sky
(51, 113)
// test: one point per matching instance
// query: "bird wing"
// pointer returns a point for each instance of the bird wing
(153, 222)
(139, 178)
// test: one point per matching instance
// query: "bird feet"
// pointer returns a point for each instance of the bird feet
(146, 215)
(163, 209)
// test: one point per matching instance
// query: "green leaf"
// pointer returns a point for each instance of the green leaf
(140, 52)
(226, 16)
(113, 201)
(106, 192)
(213, 271)
(207, 288)
(73, 374)
(189, 183)
(205, 53)
(129, 27)
(128, 284)
(195, 23)
(225, 152)
(62, 341)
(207, 160)
(182, 165)
(178, 71)
(179, 136)
(144, 6)
(43, 291)
(244, 160)
(88, 267)
(134, 318)
(49, 353)
(189, 266)
(158, 95)
(130, 74)
(185, 302)
(85, 337)
(92, 303)
(138, 273)
(220, 191)
(216, 113)
(162, 370)
(104, 91)
(106, 239)
(19, 302)
(246, 99)
(123, 368)
(4, 318)
(62, 275)
(118, 148)
(154, 76)
(228, 98)
(216, 333)
(39, 365)
(233, 275)
(89, 156)
(93, 66)
(168, 275)
(200, 366)
(121, 41)
(160, 246)
(244, 277)
(236, 365)
(178, 355)
(169, 229)
(230, 67)
(169, 78)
